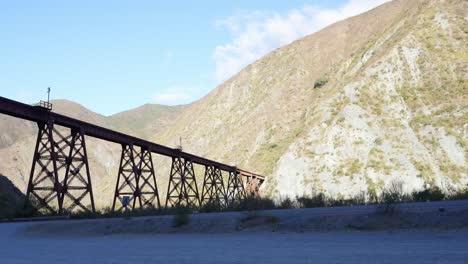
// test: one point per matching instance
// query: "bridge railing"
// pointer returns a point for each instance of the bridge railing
(45, 105)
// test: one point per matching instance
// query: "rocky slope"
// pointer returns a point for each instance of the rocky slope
(145, 121)
(376, 98)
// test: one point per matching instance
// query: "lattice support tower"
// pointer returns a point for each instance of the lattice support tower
(213, 190)
(76, 184)
(182, 189)
(253, 185)
(127, 179)
(147, 181)
(58, 163)
(235, 187)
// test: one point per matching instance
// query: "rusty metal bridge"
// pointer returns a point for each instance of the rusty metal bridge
(60, 173)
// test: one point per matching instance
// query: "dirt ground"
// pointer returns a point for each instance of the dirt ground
(413, 233)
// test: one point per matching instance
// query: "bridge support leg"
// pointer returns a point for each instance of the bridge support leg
(213, 187)
(57, 164)
(43, 186)
(147, 181)
(182, 188)
(76, 184)
(136, 180)
(253, 186)
(235, 189)
(127, 180)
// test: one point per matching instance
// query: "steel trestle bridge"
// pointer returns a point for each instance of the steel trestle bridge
(60, 173)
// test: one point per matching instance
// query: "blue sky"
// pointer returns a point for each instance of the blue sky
(115, 55)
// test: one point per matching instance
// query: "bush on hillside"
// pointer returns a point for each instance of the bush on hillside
(287, 203)
(320, 82)
(427, 195)
(252, 204)
(318, 200)
(211, 207)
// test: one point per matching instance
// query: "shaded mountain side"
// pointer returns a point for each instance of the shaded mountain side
(11, 200)
(376, 98)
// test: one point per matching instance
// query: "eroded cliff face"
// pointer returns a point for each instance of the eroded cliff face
(399, 114)
(393, 106)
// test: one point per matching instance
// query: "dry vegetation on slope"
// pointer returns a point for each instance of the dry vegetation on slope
(373, 99)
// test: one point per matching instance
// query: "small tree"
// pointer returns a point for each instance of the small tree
(391, 195)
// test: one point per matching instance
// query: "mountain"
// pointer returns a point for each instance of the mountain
(375, 98)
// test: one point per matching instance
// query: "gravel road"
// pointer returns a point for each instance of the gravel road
(337, 247)
(137, 240)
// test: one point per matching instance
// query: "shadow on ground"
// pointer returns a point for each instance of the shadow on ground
(12, 201)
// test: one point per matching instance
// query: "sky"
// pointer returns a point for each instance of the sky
(112, 56)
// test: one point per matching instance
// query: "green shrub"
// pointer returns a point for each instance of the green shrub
(427, 195)
(459, 195)
(320, 82)
(287, 203)
(359, 199)
(252, 204)
(313, 201)
(211, 207)
(393, 193)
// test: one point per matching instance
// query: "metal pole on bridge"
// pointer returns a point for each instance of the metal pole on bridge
(48, 95)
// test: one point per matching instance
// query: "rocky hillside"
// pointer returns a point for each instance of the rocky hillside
(376, 98)
(145, 121)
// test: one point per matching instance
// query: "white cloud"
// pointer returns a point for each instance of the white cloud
(175, 95)
(256, 33)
